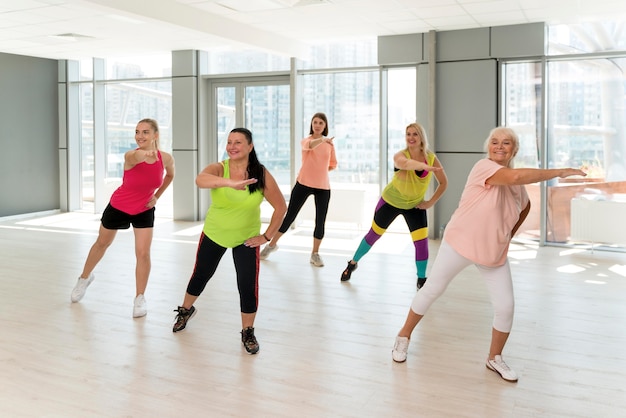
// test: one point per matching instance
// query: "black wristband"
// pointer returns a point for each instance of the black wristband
(266, 238)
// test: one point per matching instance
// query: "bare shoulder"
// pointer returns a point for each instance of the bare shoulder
(217, 169)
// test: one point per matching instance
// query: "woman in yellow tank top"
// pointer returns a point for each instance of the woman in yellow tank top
(404, 195)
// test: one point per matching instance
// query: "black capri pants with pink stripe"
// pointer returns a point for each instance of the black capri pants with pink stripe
(246, 261)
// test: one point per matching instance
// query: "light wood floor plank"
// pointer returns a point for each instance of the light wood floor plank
(325, 345)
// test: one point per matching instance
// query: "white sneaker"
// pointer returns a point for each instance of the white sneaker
(267, 250)
(316, 260)
(81, 287)
(400, 349)
(499, 366)
(139, 308)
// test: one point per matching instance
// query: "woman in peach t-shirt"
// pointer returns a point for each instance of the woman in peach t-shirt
(318, 158)
(493, 205)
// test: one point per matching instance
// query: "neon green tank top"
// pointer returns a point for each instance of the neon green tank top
(406, 189)
(234, 215)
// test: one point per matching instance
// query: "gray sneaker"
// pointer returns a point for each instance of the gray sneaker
(316, 260)
(267, 250)
(81, 287)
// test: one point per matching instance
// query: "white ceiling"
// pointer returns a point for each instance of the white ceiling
(104, 28)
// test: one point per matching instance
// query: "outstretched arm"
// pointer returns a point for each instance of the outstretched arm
(520, 176)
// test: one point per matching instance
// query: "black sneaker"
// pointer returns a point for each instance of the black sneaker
(345, 276)
(420, 282)
(249, 340)
(183, 316)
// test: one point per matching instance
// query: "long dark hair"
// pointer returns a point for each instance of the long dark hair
(256, 170)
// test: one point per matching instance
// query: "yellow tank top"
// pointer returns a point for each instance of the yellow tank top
(406, 189)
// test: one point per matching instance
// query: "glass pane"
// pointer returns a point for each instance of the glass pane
(401, 110)
(522, 112)
(267, 115)
(586, 128)
(226, 117)
(351, 103)
(150, 66)
(86, 69)
(360, 53)
(235, 62)
(87, 146)
(586, 37)
(126, 104)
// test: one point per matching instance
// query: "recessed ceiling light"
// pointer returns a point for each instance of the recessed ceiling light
(71, 36)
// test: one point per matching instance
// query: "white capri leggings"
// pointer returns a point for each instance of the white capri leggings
(448, 265)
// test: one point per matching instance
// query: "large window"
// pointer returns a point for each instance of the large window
(230, 62)
(586, 128)
(522, 112)
(126, 104)
(401, 110)
(150, 66)
(87, 149)
(351, 103)
(585, 124)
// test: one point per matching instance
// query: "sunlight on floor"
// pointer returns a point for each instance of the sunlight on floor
(570, 268)
(618, 269)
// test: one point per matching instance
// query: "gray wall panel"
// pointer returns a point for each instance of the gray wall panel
(457, 167)
(29, 130)
(400, 49)
(466, 108)
(518, 40)
(465, 44)
(186, 192)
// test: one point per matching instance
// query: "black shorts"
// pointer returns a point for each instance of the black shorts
(116, 219)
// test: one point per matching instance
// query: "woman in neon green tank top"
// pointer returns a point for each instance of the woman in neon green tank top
(238, 186)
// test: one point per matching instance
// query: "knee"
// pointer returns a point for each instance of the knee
(143, 255)
(102, 245)
(503, 317)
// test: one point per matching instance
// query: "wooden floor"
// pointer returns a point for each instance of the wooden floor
(325, 345)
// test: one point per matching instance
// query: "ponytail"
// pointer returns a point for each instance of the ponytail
(256, 170)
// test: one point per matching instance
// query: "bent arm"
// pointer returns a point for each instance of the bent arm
(212, 177)
(522, 217)
(275, 198)
(136, 156)
(168, 162)
(442, 185)
(401, 162)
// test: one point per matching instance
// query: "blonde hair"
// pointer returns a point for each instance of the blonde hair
(422, 133)
(155, 127)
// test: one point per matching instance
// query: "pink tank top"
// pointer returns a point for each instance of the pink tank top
(138, 186)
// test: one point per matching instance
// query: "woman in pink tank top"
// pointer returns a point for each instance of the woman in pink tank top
(147, 173)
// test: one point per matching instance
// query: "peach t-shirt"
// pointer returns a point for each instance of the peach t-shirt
(480, 228)
(315, 164)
